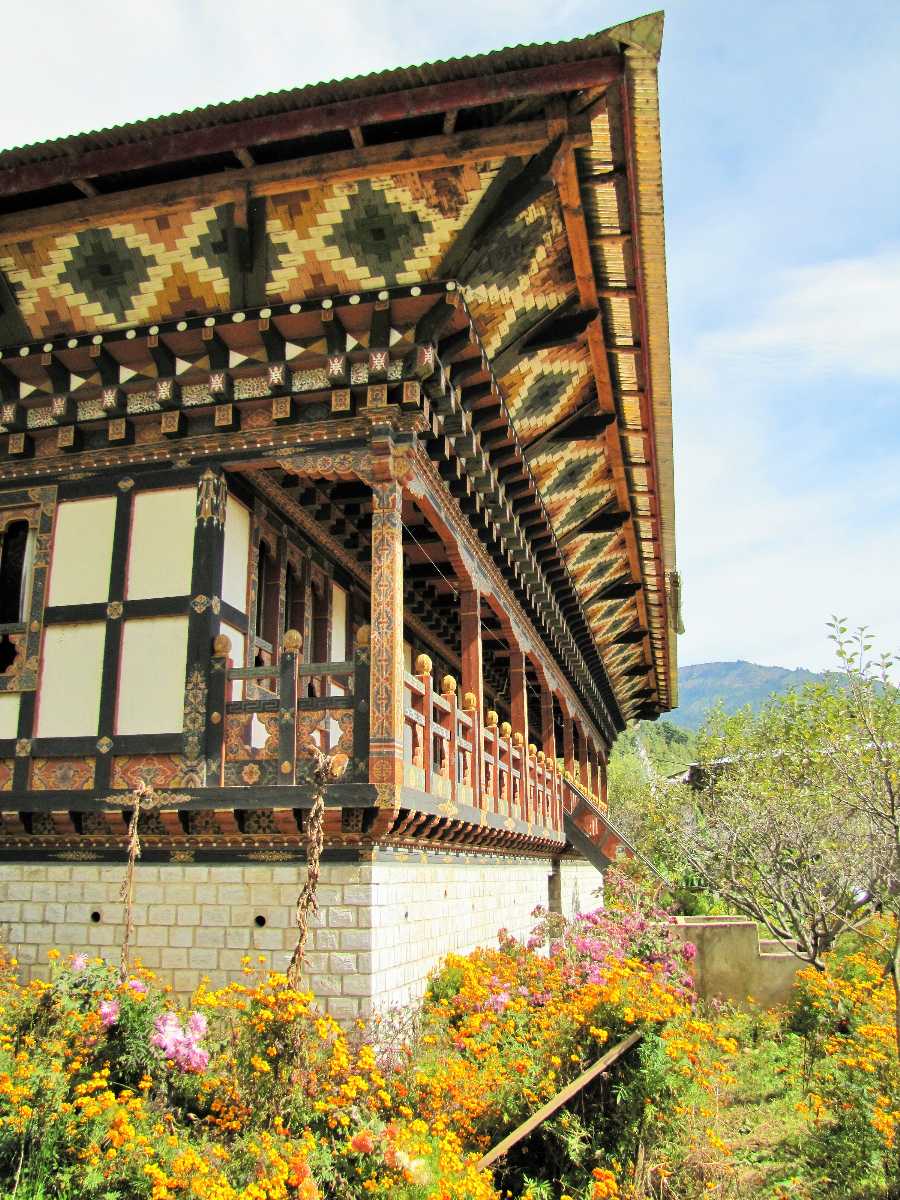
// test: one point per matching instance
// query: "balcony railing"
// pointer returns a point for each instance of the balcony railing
(479, 770)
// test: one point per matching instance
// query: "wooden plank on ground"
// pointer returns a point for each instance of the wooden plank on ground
(559, 1100)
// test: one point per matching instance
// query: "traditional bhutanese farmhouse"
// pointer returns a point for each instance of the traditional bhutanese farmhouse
(334, 418)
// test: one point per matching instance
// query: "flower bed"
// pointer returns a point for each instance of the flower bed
(107, 1090)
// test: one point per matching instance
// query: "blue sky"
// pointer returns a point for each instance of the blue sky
(782, 177)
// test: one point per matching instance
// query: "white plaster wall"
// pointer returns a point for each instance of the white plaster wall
(151, 676)
(9, 714)
(82, 551)
(71, 671)
(236, 554)
(161, 548)
(338, 650)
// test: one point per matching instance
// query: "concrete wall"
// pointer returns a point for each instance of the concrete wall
(732, 962)
(383, 925)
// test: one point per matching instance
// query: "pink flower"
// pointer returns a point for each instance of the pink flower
(109, 1012)
(688, 951)
(197, 1026)
(180, 1044)
(138, 985)
(168, 1033)
(79, 963)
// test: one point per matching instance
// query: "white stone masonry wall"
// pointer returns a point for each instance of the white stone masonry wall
(383, 926)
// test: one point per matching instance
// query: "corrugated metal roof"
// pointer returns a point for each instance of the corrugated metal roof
(357, 87)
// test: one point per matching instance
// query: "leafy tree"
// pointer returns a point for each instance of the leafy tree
(796, 821)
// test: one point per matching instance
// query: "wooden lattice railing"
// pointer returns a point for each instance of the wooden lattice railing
(275, 715)
(272, 717)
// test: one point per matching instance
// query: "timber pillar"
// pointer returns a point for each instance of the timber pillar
(518, 695)
(386, 646)
(568, 745)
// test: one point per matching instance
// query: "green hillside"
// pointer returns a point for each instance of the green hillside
(734, 683)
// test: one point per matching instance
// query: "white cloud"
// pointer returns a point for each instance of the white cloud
(788, 468)
(841, 316)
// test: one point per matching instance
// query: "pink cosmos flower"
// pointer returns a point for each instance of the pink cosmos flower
(688, 951)
(109, 1012)
(180, 1044)
(197, 1025)
(79, 963)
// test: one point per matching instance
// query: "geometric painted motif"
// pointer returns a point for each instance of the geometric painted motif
(521, 271)
(369, 233)
(126, 273)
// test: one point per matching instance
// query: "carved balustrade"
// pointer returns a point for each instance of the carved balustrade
(273, 716)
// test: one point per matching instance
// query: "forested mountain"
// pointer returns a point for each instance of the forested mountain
(735, 684)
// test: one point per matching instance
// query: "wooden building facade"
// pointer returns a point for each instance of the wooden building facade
(337, 418)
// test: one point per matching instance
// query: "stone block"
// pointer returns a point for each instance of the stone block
(342, 964)
(343, 1008)
(340, 917)
(325, 985)
(187, 914)
(215, 914)
(208, 936)
(152, 935)
(202, 957)
(161, 914)
(354, 939)
(358, 985)
(185, 981)
(173, 956)
(268, 939)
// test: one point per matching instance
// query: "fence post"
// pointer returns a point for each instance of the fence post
(489, 786)
(216, 709)
(287, 707)
(448, 691)
(423, 670)
(361, 701)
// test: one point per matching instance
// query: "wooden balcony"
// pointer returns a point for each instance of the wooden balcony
(456, 765)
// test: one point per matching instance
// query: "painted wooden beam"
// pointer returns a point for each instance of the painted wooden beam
(305, 122)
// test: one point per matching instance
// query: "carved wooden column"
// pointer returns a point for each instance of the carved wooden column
(548, 734)
(583, 759)
(518, 694)
(473, 679)
(470, 638)
(568, 744)
(386, 646)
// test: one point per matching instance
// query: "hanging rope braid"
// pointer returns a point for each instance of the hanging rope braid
(143, 799)
(327, 767)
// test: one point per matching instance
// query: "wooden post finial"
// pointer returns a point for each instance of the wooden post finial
(423, 665)
(292, 641)
(448, 685)
(491, 719)
(469, 701)
(506, 729)
(221, 645)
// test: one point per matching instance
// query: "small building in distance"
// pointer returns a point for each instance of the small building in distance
(336, 418)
